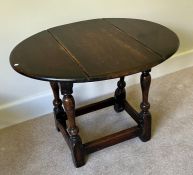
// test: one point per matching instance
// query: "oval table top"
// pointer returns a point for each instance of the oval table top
(94, 50)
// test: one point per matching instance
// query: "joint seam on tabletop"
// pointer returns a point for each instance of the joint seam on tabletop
(72, 56)
(133, 38)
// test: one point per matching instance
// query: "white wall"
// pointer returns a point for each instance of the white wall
(22, 98)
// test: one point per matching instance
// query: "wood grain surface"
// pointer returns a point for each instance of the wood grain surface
(94, 50)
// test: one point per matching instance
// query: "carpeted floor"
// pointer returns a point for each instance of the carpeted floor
(36, 148)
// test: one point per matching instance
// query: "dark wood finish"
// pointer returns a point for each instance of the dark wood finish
(152, 35)
(120, 96)
(105, 39)
(64, 132)
(58, 110)
(94, 106)
(94, 50)
(96, 145)
(75, 140)
(111, 139)
(41, 57)
(132, 112)
(145, 114)
(90, 51)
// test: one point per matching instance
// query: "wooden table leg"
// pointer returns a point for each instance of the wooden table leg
(143, 119)
(75, 140)
(120, 96)
(58, 110)
(145, 116)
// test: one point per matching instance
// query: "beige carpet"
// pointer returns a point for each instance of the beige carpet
(36, 148)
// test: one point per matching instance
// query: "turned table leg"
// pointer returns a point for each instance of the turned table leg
(58, 110)
(120, 95)
(75, 140)
(145, 116)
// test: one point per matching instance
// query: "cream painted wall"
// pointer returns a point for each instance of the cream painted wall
(20, 19)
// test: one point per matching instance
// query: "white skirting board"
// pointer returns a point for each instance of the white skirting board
(31, 107)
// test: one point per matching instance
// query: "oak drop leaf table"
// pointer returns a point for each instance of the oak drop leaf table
(94, 50)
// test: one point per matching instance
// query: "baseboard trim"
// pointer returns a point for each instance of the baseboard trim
(175, 63)
(32, 107)
(26, 109)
